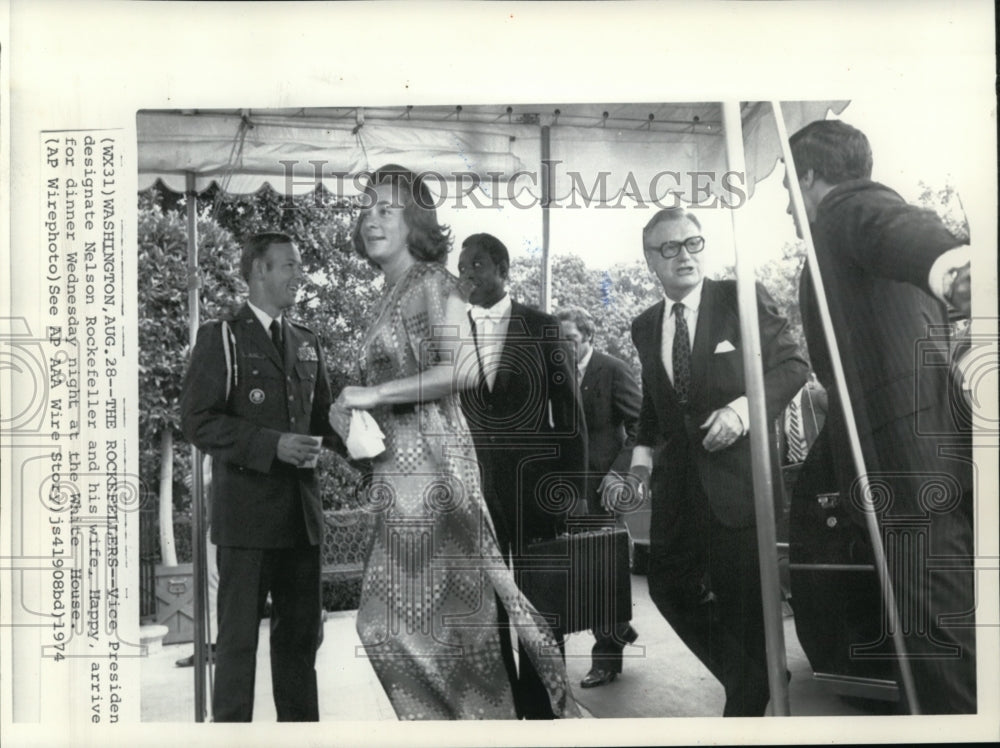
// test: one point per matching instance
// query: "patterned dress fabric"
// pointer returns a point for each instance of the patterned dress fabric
(428, 615)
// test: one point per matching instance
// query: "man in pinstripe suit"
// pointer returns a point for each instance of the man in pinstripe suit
(889, 269)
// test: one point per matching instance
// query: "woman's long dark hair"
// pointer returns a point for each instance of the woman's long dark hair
(428, 240)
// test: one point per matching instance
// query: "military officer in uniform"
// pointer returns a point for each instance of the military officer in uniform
(255, 396)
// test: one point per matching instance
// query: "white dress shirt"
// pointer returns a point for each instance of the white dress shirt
(581, 365)
(264, 317)
(642, 455)
(491, 328)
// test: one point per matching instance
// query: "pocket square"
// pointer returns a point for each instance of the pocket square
(724, 347)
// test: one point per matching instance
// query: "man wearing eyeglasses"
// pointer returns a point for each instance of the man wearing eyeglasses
(693, 457)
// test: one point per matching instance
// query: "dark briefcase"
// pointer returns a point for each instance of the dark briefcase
(580, 580)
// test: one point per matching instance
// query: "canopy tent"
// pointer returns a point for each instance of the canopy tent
(556, 152)
(530, 157)
(242, 150)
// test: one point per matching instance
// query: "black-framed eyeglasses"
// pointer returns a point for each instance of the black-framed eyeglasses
(669, 250)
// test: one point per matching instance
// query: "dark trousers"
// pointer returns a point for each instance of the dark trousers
(610, 641)
(690, 548)
(606, 653)
(931, 565)
(246, 575)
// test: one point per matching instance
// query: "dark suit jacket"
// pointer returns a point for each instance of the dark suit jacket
(716, 380)
(611, 399)
(259, 501)
(529, 432)
(875, 252)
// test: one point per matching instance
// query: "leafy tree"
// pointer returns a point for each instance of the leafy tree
(163, 335)
(947, 203)
(614, 297)
(781, 278)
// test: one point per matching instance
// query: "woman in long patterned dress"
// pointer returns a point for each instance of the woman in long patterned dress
(428, 611)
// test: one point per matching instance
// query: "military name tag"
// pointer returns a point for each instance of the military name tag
(256, 396)
(306, 353)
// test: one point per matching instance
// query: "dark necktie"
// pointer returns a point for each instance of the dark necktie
(479, 356)
(276, 337)
(681, 355)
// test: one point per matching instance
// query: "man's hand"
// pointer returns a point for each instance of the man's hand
(960, 293)
(624, 493)
(641, 474)
(724, 427)
(297, 449)
(610, 490)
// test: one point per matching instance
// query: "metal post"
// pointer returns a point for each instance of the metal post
(197, 483)
(871, 521)
(760, 438)
(546, 301)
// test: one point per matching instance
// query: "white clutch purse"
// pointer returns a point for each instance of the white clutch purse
(364, 439)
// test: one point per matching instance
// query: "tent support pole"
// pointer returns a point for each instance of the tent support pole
(198, 549)
(760, 437)
(546, 293)
(871, 520)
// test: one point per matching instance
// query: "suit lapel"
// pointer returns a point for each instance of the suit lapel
(593, 372)
(701, 350)
(654, 355)
(517, 331)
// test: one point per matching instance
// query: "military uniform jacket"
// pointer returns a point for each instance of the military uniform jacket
(240, 395)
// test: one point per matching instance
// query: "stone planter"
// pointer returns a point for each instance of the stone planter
(175, 602)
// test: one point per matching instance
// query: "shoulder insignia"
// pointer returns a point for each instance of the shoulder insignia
(301, 326)
(210, 324)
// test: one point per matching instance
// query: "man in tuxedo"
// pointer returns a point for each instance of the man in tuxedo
(611, 398)
(890, 272)
(527, 426)
(693, 453)
(255, 393)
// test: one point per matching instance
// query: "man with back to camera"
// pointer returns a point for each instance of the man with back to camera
(255, 395)
(693, 457)
(527, 427)
(889, 270)
(611, 399)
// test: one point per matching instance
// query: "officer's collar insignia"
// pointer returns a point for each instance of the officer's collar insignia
(256, 396)
(306, 353)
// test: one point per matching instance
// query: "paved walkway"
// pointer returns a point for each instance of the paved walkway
(661, 678)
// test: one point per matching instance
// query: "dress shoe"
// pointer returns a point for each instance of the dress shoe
(598, 677)
(189, 660)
